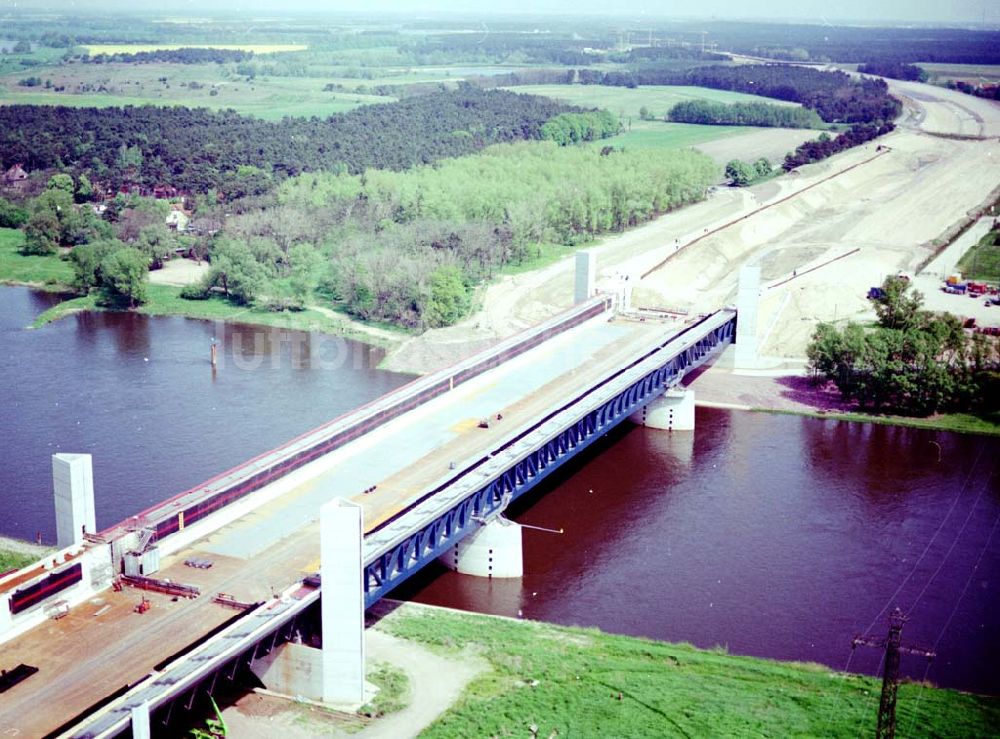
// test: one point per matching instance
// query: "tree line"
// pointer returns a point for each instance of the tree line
(707, 112)
(197, 150)
(912, 362)
(990, 92)
(825, 146)
(574, 128)
(186, 55)
(895, 70)
(835, 96)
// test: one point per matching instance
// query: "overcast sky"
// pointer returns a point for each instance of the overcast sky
(815, 11)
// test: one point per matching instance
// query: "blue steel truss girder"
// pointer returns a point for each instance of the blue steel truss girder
(433, 538)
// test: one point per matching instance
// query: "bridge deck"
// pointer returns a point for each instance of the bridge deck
(84, 657)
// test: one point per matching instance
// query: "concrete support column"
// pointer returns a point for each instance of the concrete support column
(747, 301)
(343, 605)
(492, 551)
(73, 482)
(672, 411)
(586, 276)
(140, 721)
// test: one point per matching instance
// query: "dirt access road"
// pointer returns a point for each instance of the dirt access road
(885, 208)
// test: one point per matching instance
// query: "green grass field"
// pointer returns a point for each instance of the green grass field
(660, 135)
(14, 560)
(15, 268)
(982, 262)
(191, 85)
(580, 682)
(972, 73)
(626, 102)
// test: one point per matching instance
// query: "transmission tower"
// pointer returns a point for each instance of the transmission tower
(886, 727)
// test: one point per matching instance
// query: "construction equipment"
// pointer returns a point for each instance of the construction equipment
(161, 586)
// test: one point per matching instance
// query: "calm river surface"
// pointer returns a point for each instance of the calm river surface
(774, 535)
(138, 393)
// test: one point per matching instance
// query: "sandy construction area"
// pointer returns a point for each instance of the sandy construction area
(179, 272)
(822, 236)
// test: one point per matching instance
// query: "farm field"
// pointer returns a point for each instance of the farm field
(663, 135)
(627, 102)
(196, 86)
(973, 73)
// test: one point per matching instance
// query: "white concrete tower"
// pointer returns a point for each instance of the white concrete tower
(586, 276)
(73, 482)
(343, 603)
(747, 302)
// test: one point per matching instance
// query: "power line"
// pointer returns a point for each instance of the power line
(954, 543)
(930, 543)
(893, 647)
(968, 581)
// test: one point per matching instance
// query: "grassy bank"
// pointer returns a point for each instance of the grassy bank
(51, 272)
(982, 261)
(14, 560)
(19, 269)
(985, 422)
(581, 682)
(165, 300)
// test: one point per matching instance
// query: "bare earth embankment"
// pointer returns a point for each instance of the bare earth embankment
(822, 236)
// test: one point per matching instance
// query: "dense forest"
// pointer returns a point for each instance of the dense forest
(707, 112)
(403, 247)
(197, 150)
(456, 223)
(895, 70)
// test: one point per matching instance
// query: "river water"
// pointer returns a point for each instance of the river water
(139, 394)
(772, 535)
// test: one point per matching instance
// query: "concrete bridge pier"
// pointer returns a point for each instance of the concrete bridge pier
(492, 551)
(672, 411)
(336, 673)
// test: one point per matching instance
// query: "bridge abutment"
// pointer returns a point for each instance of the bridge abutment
(492, 551)
(672, 411)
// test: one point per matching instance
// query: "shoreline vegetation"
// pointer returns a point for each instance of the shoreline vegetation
(585, 682)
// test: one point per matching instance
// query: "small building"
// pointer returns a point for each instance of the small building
(15, 178)
(165, 192)
(177, 218)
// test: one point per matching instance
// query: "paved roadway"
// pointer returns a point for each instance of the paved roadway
(85, 656)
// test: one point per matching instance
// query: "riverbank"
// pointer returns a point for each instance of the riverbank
(790, 390)
(52, 274)
(545, 680)
(16, 553)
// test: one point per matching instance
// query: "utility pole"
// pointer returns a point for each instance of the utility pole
(886, 727)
